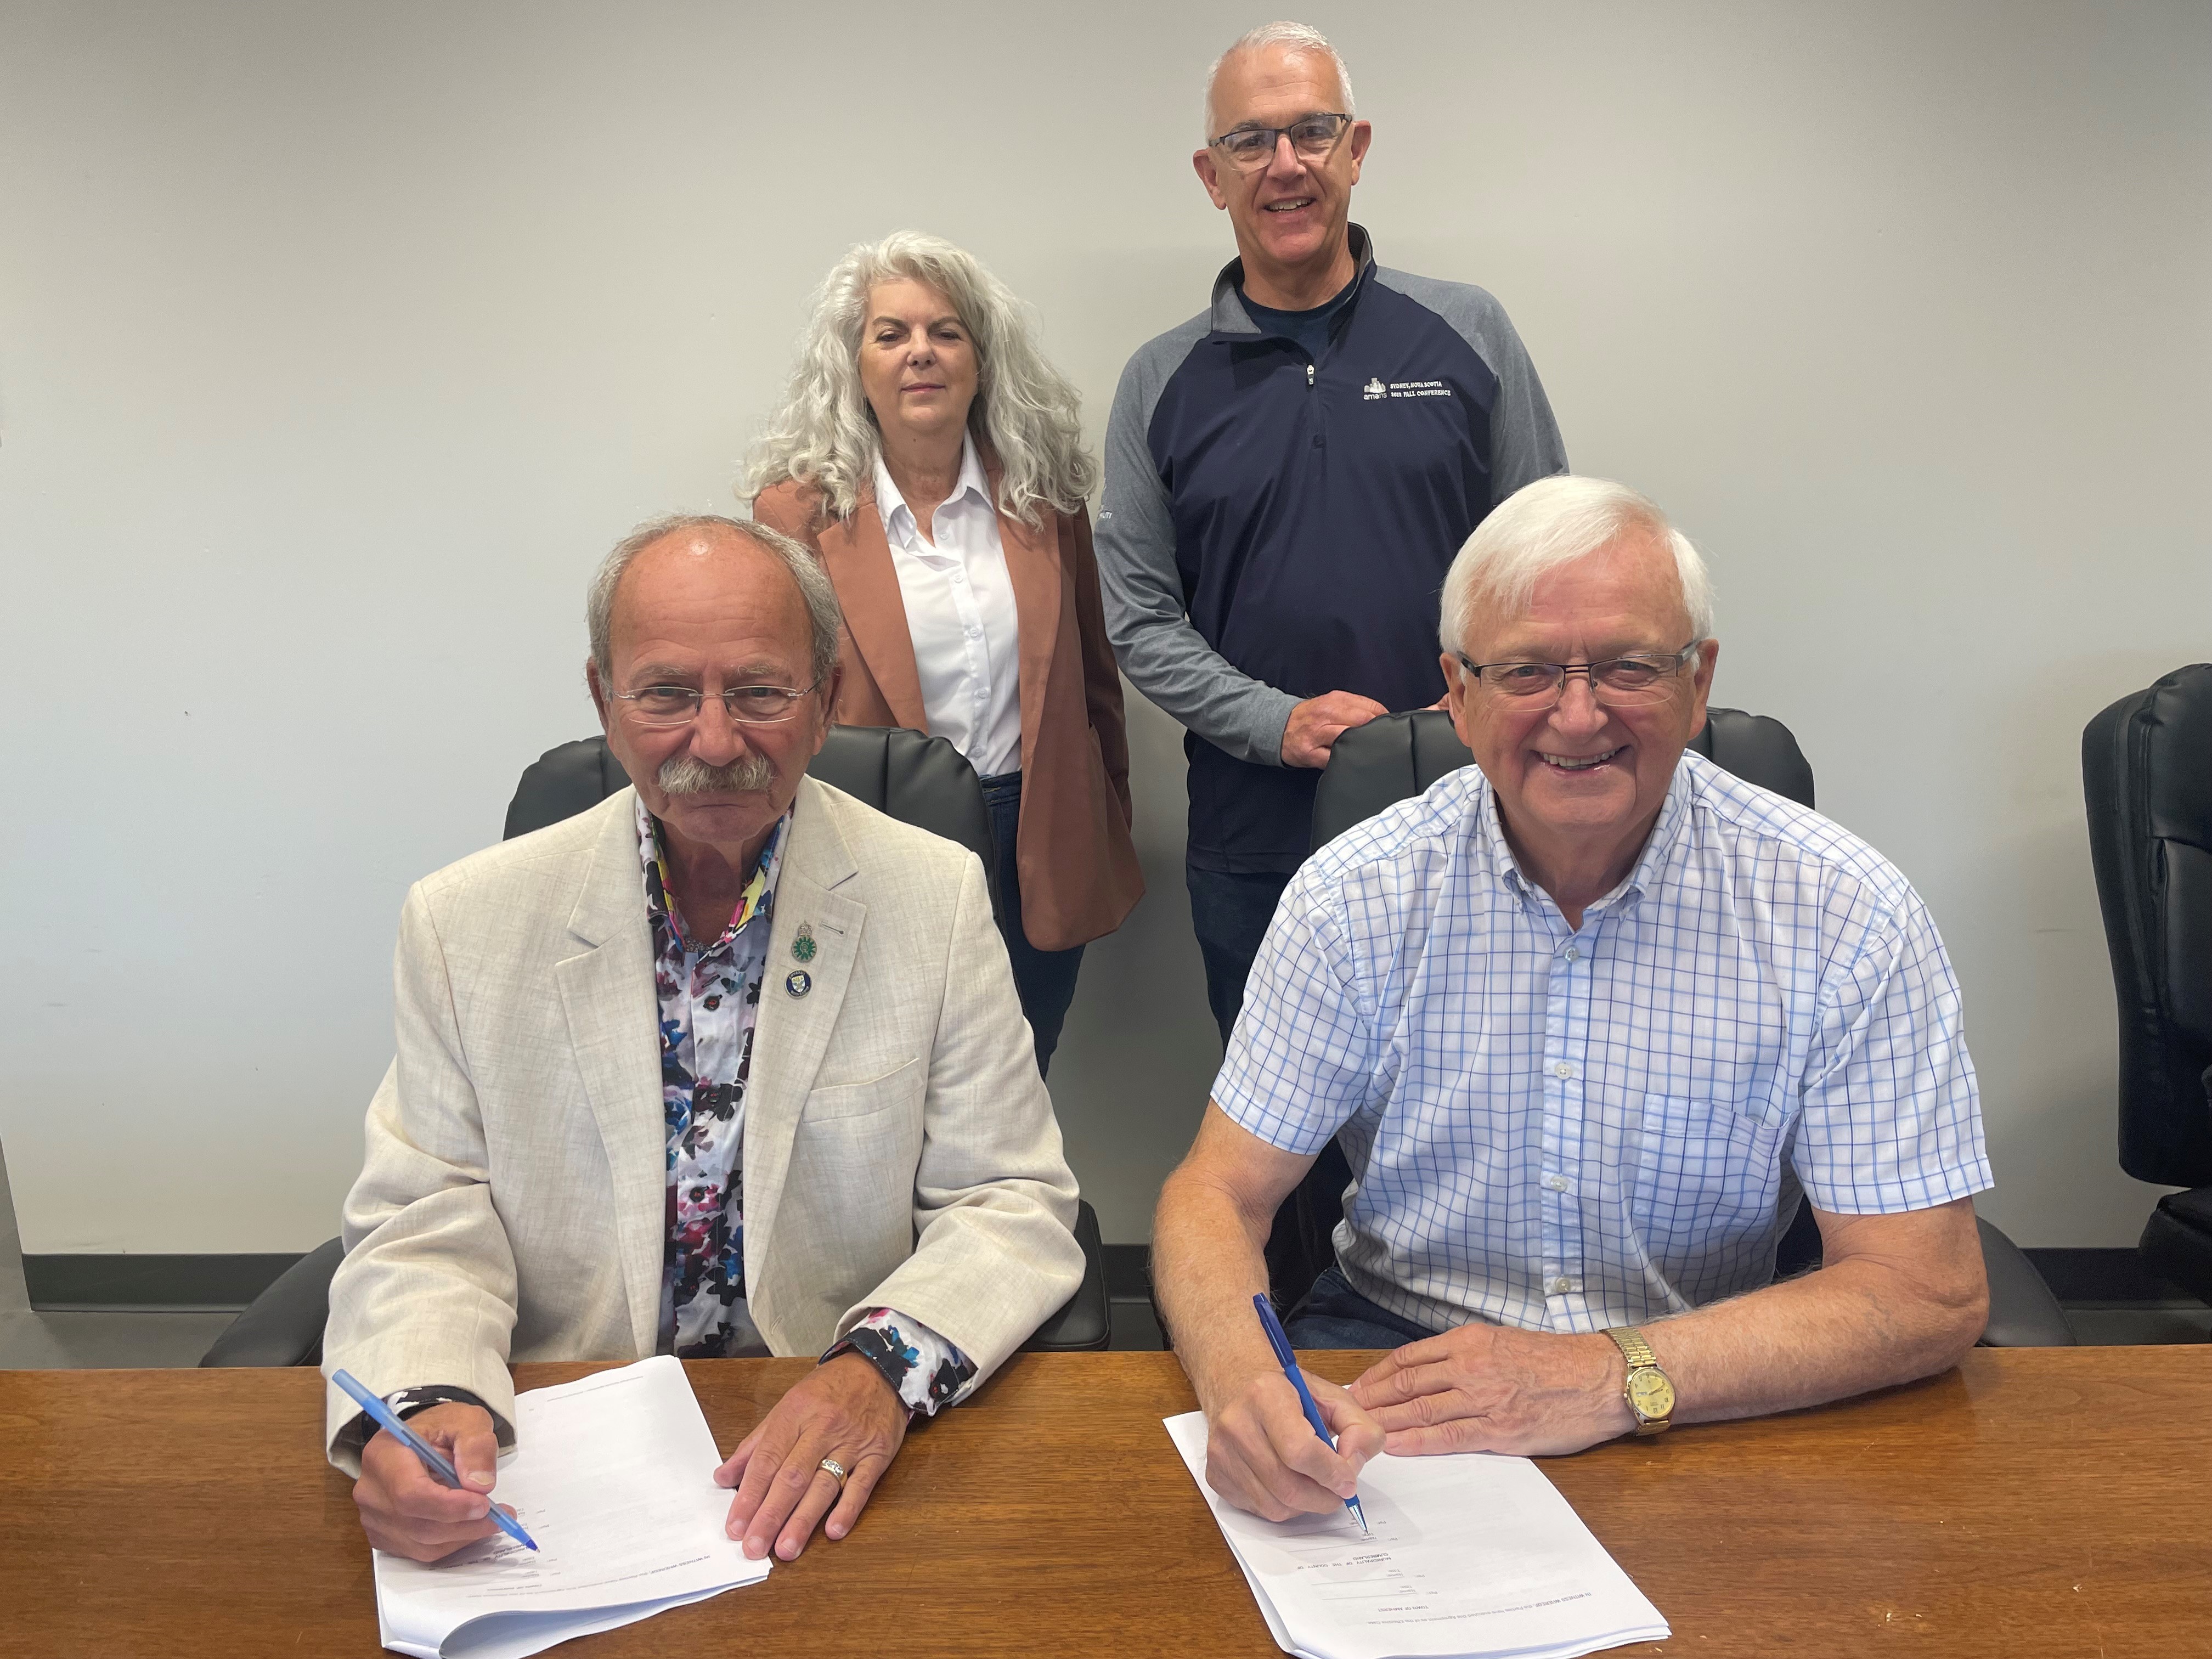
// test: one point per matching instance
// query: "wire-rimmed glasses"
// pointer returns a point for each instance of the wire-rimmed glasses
(747, 705)
(1644, 678)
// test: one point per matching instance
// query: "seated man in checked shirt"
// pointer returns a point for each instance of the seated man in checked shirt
(728, 1065)
(1589, 1019)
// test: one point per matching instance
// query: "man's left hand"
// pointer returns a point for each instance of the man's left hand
(844, 1411)
(1491, 1388)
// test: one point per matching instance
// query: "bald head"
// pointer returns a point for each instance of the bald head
(700, 537)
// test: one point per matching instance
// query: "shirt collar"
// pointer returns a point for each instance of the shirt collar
(756, 900)
(1651, 863)
(1490, 834)
(1666, 831)
(1230, 316)
(898, 517)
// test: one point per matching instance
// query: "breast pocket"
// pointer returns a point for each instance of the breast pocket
(901, 1084)
(1708, 1178)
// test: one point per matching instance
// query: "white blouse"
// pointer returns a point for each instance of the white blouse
(960, 612)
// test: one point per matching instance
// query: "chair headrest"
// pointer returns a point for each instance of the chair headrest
(2147, 779)
(1399, 755)
(915, 778)
(567, 779)
(2172, 727)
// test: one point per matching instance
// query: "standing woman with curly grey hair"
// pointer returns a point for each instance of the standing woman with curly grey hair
(935, 458)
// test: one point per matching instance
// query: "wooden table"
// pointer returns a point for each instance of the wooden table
(2033, 1502)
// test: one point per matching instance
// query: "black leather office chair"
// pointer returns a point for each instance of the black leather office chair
(1400, 756)
(2147, 773)
(284, 1324)
(919, 779)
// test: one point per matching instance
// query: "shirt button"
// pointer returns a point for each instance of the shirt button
(1557, 1183)
(1562, 1070)
(1573, 955)
(1561, 1287)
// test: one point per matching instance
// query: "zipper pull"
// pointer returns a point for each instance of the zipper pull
(1309, 373)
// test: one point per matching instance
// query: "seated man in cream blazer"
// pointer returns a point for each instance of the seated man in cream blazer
(730, 1064)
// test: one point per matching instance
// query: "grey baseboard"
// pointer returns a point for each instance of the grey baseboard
(60, 1283)
(2113, 1278)
(2105, 1277)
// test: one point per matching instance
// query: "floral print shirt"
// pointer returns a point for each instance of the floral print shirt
(709, 1002)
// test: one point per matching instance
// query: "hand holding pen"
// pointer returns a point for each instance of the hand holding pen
(1288, 1360)
(425, 1484)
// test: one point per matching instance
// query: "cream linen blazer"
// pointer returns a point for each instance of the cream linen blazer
(900, 1149)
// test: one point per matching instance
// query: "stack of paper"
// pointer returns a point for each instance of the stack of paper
(613, 1475)
(1470, 1555)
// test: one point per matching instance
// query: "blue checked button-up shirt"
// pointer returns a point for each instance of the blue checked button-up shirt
(1568, 1129)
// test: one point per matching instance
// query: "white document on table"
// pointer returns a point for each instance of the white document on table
(613, 1475)
(1470, 1554)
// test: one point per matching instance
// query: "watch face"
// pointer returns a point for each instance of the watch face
(1650, 1392)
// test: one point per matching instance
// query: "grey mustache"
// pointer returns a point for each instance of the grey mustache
(748, 775)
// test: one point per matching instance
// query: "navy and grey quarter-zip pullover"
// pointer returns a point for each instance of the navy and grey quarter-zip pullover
(1276, 526)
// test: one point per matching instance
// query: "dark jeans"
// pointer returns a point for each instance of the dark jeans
(1334, 1316)
(1044, 980)
(1229, 914)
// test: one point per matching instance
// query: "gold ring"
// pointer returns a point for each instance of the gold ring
(836, 1470)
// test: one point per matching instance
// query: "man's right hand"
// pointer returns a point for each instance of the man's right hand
(1318, 722)
(404, 1509)
(1263, 1456)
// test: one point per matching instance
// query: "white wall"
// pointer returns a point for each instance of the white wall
(337, 343)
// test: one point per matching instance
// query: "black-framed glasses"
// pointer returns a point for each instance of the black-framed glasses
(1313, 137)
(747, 705)
(1647, 676)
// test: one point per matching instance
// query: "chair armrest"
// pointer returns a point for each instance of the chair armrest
(284, 1325)
(1083, 1323)
(2023, 1313)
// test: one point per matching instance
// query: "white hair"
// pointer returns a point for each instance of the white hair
(1553, 522)
(1295, 38)
(1027, 412)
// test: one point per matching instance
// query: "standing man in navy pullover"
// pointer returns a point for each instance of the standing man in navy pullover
(1288, 475)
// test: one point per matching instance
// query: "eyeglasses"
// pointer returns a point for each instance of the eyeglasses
(1623, 681)
(747, 705)
(1313, 137)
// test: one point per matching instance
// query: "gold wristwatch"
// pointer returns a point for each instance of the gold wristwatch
(1648, 1393)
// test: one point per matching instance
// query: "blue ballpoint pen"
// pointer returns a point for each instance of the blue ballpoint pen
(432, 1460)
(1281, 1344)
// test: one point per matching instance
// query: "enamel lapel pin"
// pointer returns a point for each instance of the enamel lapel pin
(798, 982)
